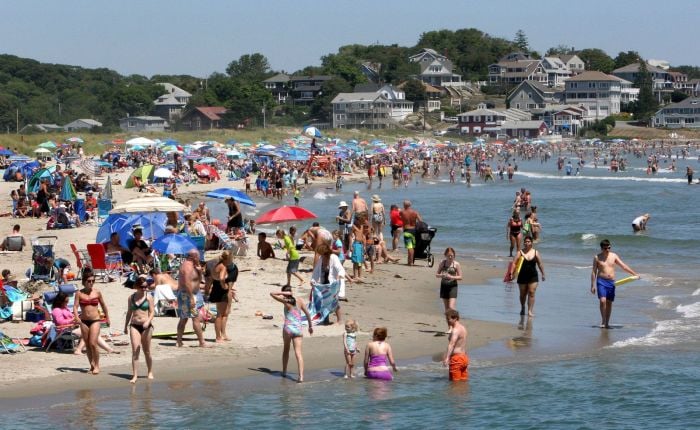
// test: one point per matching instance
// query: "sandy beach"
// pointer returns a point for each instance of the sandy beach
(403, 299)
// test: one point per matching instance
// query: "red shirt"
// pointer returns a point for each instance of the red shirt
(395, 216)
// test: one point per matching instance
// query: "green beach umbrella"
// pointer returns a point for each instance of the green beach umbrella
(144, 173)
(48, 145)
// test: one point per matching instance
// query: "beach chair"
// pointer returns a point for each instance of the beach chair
(13, 243)
(9, 345)
(60, 337)
(103, 208)
(225, 242)
(43, 258)
(82, 259)
(106, 266)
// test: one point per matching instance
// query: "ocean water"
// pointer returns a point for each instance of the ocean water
(559, 371)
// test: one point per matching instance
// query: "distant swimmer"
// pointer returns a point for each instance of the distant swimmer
(689, 173)
(640, 223)
(603, 279)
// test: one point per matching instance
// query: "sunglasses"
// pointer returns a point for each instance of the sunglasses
(606, 247)
(90, 280)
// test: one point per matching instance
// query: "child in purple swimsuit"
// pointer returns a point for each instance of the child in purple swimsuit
(376, 355)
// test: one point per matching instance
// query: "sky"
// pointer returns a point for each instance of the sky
(200, 37)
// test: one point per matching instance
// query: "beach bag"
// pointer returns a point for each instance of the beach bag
(35, 340)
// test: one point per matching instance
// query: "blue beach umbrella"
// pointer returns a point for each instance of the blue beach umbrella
(152, 224)
(67, 193)
(239, 196)
(173, 244)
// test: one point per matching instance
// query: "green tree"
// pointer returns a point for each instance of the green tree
(559, 50)
(693, 72)
(254, 67)
(347, 67)
(521, 41)
(646, 105)
(415, 92)
(625, 58)
(678, 96)
(597, 59)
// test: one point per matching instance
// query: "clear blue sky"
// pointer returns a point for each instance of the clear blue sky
(198, 37)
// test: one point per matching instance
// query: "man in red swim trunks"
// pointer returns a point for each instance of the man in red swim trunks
(456, 356)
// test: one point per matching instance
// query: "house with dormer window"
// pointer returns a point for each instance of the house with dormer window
(684, 114)
(436, 69)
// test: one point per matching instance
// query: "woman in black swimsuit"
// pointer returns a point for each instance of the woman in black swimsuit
(513, 233)
(221, 294)
(449, 272)
(527, 277)
(85, 309)
(138, 324)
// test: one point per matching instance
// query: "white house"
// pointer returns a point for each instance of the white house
(596, 91)
(379, 109)
(556, 70)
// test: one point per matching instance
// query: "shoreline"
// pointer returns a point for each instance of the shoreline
(404, 299)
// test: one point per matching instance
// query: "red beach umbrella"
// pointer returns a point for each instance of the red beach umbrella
(284, 214)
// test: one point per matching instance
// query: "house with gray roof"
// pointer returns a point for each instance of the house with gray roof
(383, 108)
(600, 94)
(489, 121)
(573, 63)
(171, 104)
(512, 73)
(143, 123)
(530, 95)
(684, 114)
(436, 69)
(82, 124)
(278, 85)
(305, 89)
(40, 128)
(662, 82)
(557, 71)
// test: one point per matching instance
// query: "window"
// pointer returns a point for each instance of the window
(132, 124)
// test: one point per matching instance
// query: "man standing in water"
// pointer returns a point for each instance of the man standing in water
(188, 282)
(603, 279)
(409, 218)
(456, 355)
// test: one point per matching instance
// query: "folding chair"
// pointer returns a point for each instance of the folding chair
(82, 258)
(60, 336)
(103, 208)
(107, 266)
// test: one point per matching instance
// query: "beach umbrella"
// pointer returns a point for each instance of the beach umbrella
(42, 151)
(137, 148)
(152, 224)
(75, 139)
(6, 152)
(162, 173)
(19, 157)
(285, 214)
(142, 141)
(48, 145)
(67, 193)
(239, 196)
(147, 204)
(173, 244)
(312, 131)
(38, 176)
(209, 171)
(107, 191)
(208, 160)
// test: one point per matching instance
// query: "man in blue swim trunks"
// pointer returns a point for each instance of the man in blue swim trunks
(409, 217)
(603, 279)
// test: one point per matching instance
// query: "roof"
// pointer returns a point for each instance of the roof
(174, 90)
(357, 97)
(482, 112)
(212, 112)
(428, 88)
(568, 57)
(539, 86)
(446, 67)
(87, 121)
(366, 88)
(592, 75)
(168, 100)
(522, 125)
(634, 68)
(310, 78)
(280, 77)
(693, 102)
(144, 118)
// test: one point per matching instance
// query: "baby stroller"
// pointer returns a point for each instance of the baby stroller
(43, 258)
(424, 235)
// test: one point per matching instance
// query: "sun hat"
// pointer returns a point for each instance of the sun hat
(342, 204)
(376, 198)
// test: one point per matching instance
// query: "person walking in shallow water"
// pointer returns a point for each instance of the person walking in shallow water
(293, 330)
(527, 277)
(603, 279)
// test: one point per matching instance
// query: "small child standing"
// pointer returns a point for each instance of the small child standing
(350, 347)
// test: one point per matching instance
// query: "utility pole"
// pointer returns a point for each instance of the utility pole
(263, 112)
(17, 117)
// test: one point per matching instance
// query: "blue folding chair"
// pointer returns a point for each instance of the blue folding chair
(103, 208)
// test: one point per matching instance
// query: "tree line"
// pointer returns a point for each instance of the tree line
(34, 92)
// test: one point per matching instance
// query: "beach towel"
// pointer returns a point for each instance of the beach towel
(323, 300)
(13, 294)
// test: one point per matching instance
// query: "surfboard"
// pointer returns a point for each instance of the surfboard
(167, 335)
(626, 280)
(506, 277)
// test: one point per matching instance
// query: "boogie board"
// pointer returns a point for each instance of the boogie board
(506, 277)
(623, 281)
(518, 265)
(169, 335)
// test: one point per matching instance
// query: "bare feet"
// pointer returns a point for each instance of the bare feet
(522, 311)
(95, 371)
(204, 345)
(178, 344)
(133, 380)
(530, 314)
(150, 375)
